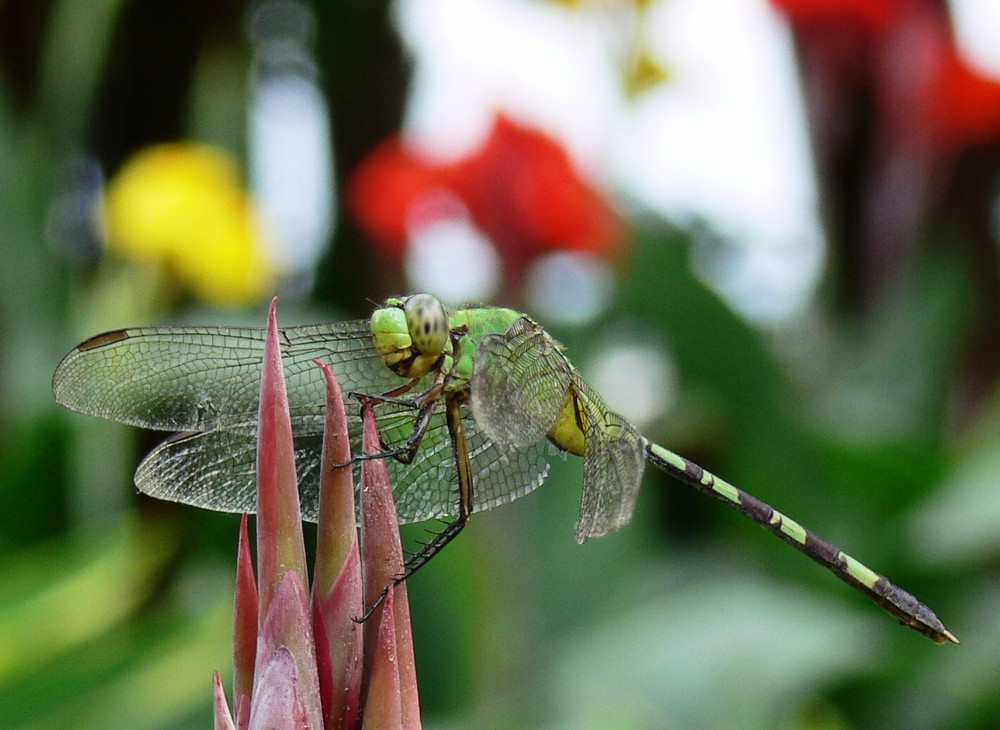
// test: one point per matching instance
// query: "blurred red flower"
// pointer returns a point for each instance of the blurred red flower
(519, 187)
(894, 108)
(904, 51)
(862, 15)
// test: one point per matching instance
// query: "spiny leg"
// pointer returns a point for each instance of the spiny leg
(426, 408)
(463, 464)
(393, 396)
(893, 599)
(437, 543)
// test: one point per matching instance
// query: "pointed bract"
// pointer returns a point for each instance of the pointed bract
(383, 563)
(339, 647)
(382, 553)
(287, 627)
(307, 664)
(284, 617)
(337, 597)
(244, 624)
(277, 698)
(337, 533)
(223, 718)
(405, 661)
(241, 707)
(383, 705)
(280, 546)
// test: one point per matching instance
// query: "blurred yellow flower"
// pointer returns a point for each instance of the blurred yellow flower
(182, 205)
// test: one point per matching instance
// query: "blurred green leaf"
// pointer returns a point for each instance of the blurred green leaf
(959, 524)
(75, 648)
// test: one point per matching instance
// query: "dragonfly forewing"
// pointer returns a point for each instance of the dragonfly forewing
(427, 488)
(208, 378)
(519, 383)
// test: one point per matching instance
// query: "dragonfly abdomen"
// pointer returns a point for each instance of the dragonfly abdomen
(893, 599)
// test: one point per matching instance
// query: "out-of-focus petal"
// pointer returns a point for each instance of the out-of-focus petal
(922, 82)
(966, 104)
(183, 206)
(863, 15)
(232, 268)
(520, 188)
(384, 190)
(524, 191)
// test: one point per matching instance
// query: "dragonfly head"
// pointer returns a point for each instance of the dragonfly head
(412, 334)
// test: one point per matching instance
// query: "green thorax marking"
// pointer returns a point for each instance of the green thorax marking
(479, 321)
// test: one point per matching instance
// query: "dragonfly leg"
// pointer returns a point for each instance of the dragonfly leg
(465, 503)
(393, 396)
(408, 451)
(419, 559)
(465, 500)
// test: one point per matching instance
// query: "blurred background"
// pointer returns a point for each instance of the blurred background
(767, 231)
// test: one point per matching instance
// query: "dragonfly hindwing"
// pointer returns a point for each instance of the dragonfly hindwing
(612, 467)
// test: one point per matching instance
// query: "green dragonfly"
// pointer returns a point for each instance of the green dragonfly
(469, 403)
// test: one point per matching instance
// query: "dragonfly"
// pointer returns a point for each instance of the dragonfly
(470, 403)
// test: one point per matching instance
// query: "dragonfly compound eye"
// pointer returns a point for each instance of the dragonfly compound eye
(427, 322)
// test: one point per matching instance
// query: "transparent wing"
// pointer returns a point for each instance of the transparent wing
(428, 488)
(612, 467)
(217, 469)
(205, 382)
(208, 378)
(501, 475)
(519, 382)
